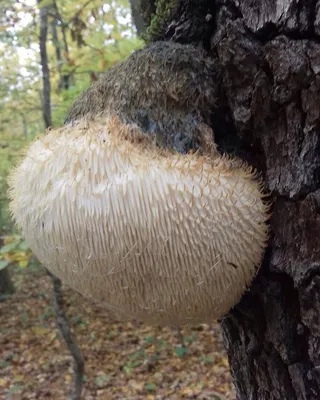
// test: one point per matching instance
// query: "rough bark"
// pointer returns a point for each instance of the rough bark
(46, 99)
(269, 114)
(184, 21)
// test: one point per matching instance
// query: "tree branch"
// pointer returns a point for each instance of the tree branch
(79, 11)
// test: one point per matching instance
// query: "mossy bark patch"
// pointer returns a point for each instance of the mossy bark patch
(157, 15)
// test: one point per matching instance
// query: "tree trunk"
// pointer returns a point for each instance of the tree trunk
(61, 58)
(61, 319)
(46, 100)
(75, 351)
(6, 284)
(269, 114)
(136, 16)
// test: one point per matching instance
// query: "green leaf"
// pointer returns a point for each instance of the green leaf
(127, 369)
(149, 386)
(44, 3)
(3, 264)
(149, 339)
(23, 245)
(136, 363)
(10, 246)
(180, 351)
(101, 380)
(189, 339)
(206, 359)
(23, 263)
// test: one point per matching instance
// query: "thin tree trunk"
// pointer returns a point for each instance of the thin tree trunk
(269, 114)
(56, 45)
(24, 124)
(62, 325)
(61, 319)
(61, 59)
(6, 284)
(63, 28)
(46, 99)
(136, 16)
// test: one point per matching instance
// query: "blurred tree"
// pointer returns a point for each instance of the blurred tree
(6, 284)
(64, 44)
(44, 8)
(84, 39)
(77, 40)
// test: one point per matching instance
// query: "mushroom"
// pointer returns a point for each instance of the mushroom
(149, 233)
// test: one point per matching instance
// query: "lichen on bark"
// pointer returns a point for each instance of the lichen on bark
(156, 14)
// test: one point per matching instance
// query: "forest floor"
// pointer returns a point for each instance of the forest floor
(122, 360)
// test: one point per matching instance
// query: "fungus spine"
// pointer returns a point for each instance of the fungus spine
(151, 234)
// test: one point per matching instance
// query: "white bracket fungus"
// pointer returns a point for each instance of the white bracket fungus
(156, 236)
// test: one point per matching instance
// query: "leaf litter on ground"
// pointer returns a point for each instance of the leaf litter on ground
(123, 360)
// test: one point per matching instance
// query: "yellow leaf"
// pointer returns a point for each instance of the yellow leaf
(102, 63)
(53, 335)
(40, 330)
(3, 28)
(23, 263)
(224, 362)
(18, 378)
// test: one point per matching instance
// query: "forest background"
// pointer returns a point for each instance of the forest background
(122, 360)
